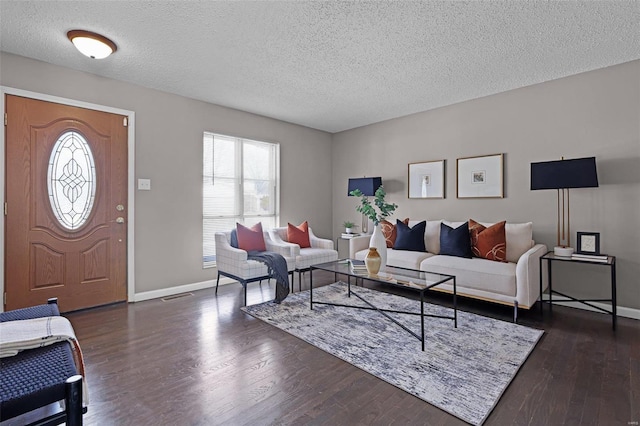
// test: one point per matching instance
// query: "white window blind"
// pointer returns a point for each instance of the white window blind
(240, 184)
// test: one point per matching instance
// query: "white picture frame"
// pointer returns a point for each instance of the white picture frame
(480, 177)
(426, 179)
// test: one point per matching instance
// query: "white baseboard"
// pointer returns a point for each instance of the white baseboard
(155, 294)
(621, 310)
(164, 292)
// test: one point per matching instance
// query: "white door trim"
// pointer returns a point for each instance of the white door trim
(4, 90)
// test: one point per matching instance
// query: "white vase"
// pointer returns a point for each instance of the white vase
(377, 240)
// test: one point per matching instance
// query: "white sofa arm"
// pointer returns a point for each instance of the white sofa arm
(294, 249)
(285, 249)
(281, 247)
(528, 275)
(357, 244)
(317, 242)
(223, 247)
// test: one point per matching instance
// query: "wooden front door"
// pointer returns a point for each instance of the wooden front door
(66, 194)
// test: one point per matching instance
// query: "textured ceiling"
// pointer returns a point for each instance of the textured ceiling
(330, 65)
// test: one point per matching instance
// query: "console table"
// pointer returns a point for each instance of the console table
(549, 257)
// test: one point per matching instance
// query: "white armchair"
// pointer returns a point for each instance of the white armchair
(321, 251)
(233, 263)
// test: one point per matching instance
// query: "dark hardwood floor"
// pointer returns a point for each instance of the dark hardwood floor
(199, 360)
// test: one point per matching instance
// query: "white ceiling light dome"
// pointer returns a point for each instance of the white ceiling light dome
(91, 44)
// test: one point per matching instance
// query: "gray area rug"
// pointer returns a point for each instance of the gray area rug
(463, 371)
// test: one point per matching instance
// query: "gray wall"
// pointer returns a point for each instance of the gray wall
(592, 114)
(595, 113)
(168, 219)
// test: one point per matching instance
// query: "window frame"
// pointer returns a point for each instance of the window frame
(208, 259)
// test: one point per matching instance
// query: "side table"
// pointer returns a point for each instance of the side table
(611, 263)
(340, 256)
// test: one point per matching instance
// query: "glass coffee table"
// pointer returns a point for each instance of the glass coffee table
(420, 281)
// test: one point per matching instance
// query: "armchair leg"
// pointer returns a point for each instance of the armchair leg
(515, 311)
(217, 282)
(292, 281)
(299, 280)
(244, 286)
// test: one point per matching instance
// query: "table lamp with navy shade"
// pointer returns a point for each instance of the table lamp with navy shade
(368, 186)
(563, 175)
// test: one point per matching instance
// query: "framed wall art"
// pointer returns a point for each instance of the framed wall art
(480, 177)
(426, 179)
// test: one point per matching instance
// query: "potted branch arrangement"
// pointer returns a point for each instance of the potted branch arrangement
(383, 211)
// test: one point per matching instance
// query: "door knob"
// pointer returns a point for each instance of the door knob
(120, 220)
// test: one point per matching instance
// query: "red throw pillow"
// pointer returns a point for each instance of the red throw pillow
(488, 243)
(299, 234)
(250, 239)
(390, 232)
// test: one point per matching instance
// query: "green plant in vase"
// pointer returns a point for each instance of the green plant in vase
(349, 226)
(367, 208)
(377, 244)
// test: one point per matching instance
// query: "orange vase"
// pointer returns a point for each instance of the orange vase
(373, 261)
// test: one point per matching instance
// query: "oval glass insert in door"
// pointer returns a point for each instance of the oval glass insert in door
(71, 180)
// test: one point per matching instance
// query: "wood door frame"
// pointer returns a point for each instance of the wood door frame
(5, 90)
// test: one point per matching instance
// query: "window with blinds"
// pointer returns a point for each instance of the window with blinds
(240, 184)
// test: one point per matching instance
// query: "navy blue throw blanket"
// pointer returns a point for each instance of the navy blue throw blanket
(277, 269)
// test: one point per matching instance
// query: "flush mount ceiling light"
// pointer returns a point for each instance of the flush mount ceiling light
(91, 44)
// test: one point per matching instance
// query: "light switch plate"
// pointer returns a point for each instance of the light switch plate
(144, 184)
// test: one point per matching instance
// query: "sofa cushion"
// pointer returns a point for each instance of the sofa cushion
(400, 258)
(488, 242)
(475, 273)
(250, 239)
(389, 231)
(432, 236)
(312, 256)
(410, 238)
(519, 239)
(455, 241)
(299, 234)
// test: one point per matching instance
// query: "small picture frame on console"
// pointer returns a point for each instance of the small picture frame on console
(588, 243)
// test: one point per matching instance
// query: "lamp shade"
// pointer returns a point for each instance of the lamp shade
(367, 185)
(560, 174)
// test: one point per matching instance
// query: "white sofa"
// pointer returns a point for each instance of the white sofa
(514, 283)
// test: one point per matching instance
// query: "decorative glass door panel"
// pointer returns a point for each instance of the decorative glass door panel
(71, 180)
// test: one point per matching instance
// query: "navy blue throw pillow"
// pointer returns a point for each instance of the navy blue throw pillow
(233, 240)
(455, 242)
(410, 238)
